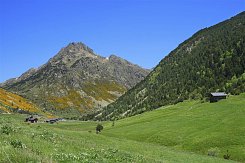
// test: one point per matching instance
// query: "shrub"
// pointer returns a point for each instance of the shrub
(6, 129)
(99, 128)
(17, 144)
(227, 155)
(213, 152)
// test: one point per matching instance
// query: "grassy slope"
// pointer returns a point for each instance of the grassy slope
(71, 142)
(190, 126)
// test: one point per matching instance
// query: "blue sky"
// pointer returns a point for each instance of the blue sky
(141, 31)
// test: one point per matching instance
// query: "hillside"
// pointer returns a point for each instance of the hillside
(10, 103)
(76, 80)
(213, 59)
(203, 128)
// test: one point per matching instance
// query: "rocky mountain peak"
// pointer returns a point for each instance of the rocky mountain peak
(77, 47)
(71, 53)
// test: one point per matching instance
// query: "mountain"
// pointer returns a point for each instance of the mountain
(213, 59)
(10, 103)
(76, 80)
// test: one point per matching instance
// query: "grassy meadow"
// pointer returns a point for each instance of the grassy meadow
(204, 128)
(190, 131)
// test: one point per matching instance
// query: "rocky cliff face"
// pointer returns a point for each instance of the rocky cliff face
(76, 80)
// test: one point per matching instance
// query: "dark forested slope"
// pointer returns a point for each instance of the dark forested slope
(211, 60)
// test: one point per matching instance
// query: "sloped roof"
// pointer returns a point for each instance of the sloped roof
(218, 94)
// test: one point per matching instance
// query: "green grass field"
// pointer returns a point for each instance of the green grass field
(186, 132)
